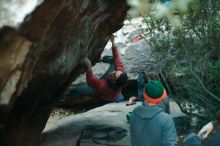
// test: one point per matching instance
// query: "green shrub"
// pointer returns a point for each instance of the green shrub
(189, 55)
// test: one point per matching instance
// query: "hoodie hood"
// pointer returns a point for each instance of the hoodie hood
(147, 111)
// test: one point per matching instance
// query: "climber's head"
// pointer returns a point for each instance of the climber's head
(117, 79)
(121, 78)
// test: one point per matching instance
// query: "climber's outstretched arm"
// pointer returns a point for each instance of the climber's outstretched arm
(117, 61)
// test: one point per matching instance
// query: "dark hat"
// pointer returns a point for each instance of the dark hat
(154, 91)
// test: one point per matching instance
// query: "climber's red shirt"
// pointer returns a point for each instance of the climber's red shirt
(101, 86)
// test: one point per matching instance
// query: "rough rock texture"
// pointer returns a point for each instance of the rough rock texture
(137, 57)
(90, 125)
(42, 58)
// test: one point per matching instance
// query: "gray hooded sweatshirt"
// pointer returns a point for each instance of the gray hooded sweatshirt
(151, 126)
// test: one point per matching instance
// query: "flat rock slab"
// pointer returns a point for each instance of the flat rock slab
(106, 125)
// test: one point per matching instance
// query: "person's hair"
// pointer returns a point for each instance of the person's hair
(112, 85)
(119, 82)
(122, 79)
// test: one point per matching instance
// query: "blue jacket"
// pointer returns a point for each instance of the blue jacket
(213, 139)
(151, 126)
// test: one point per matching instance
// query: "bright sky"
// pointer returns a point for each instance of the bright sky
(17, 10)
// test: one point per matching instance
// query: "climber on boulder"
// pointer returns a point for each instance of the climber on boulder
(111, 84)
(108, 86)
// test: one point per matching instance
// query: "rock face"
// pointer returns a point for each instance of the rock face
(41, 58)
(67, 131)
(105, 125)
(136, 56)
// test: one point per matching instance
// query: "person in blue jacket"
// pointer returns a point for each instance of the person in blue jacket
(140, 96)
(209, 135)
(149, 124)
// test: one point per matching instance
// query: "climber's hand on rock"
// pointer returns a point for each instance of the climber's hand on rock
(113, 40)
(87, 63)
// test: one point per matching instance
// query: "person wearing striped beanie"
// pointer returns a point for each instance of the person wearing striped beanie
(149, 124)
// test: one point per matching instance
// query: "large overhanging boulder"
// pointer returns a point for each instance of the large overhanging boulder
(42, 57)
(137, 56)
